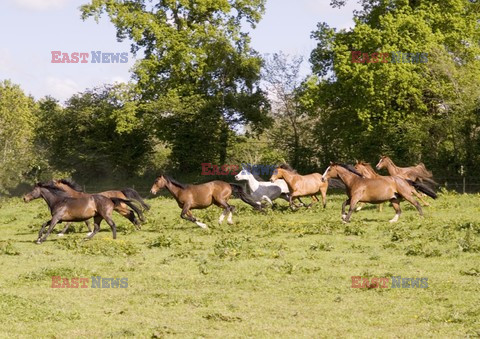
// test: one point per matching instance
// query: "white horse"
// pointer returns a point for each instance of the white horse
(264, 190)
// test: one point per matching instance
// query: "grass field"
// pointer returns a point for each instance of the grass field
(283, 274)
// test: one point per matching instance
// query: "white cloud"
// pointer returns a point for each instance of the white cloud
(61, 89)
(40, 5)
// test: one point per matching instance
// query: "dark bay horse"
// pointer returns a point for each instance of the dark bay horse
(65, 208)
(376, 190)
(75, 191)
(201, 196)
(301, 185)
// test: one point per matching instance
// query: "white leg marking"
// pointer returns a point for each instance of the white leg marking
(89, 233)
(222, 216)
(395, 218)
(201, 224)
(268, 199)
(229, 220)
(60, 234)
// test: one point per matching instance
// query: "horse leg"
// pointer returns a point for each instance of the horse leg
(420, 197)
(323, 191)
(90, 230)
(112, 226)
(62, 232)
(345, 203)
(42, 229)
(129, 214)
(396, 205)
(302, 203)
(353, 203)
(285, 196)
(230, 214)
(96, 226)
(415, 203)
(52, 223)
(187, 215)
(360, 206)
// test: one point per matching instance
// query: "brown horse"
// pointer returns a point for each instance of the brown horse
(201, 196)
(75, 191)
(301, 185)
(365, 169)
(65, 208)
(376, 190)
(415, 173)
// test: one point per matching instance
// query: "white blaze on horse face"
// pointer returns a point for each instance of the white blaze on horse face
(324, 176)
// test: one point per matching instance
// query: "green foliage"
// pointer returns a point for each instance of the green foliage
(412, 111)
(17, 121)
(97, 134)
(199, 78)
(103, 246)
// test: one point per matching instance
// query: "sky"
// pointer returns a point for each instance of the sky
(32, 29)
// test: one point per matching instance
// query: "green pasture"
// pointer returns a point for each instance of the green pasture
(280, 274)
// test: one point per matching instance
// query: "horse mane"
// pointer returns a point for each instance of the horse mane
(287, 167)
(51, 187)
(175, 182)
(72, 184)
(257, 177)
(351, 169)
(368, 166)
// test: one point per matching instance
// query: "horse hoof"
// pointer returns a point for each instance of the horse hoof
(38, 242)
(60, 235)
(89, 234)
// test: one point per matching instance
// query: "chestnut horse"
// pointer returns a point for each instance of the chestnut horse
(367, 171)
(415, 173)
(301, 185)
(376, 190)
(201, 196)
(75, 191)
(65, 208)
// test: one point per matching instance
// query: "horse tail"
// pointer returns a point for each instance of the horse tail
(118, 201)
(423, 188)
(424, 172)
(130, 193)
(239, 192)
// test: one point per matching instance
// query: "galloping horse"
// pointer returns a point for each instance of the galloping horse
(201, 196)
(376, 190)
(65, 208)
(263, 190)
(415, 173)
(301, 185)
(75, 191)
(366, 170)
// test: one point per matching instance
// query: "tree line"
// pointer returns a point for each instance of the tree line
(202, 94)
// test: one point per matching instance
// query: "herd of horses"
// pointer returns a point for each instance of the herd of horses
(68, 203)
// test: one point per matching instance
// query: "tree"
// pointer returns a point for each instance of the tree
(413, 111)
(98, 133)
(193, 51)
(17, 123)
(292, 131)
